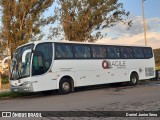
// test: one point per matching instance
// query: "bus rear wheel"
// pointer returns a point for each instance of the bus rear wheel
(134, 80)
(64, 86)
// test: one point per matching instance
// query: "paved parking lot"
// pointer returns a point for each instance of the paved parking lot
(144, 97)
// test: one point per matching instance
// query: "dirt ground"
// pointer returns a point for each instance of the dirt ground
(5, 86)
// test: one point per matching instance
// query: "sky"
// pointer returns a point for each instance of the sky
(135, 36)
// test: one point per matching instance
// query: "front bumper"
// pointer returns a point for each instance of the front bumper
(26, 88)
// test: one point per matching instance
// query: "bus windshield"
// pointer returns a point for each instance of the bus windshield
(21, 69)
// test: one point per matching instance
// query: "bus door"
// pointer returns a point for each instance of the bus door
(41, 67)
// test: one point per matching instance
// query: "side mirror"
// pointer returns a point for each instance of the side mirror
(24, 55)
(4, 60)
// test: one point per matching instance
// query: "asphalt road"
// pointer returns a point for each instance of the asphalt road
(144, 97)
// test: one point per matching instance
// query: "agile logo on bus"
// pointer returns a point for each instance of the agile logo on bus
(110, 64)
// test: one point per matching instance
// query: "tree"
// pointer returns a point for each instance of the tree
(22, 19)
(157, 56)
(82, 20)
(2, 47)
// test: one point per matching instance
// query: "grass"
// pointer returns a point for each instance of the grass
(10, 94)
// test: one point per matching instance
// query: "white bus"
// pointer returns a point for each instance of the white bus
(48, 65)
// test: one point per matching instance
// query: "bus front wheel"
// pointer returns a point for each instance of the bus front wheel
(64, 86)
(134, 80)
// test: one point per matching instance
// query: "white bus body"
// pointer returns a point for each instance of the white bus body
(48, 65)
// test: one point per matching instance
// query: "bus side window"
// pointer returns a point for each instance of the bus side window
(63, 51)
(126, 52)
(138, 52)
(87, 52)
(82, 51)
(59, 51)
(94, 52)
(69, 51)
(148, 52)
(77, 52)
(98, 52)
(113, 52)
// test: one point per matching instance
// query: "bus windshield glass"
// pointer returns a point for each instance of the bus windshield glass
(21, 69)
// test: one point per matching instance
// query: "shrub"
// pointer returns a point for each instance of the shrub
(5, 78)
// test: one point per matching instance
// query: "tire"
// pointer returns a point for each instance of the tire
(134, 80)
(64, 86)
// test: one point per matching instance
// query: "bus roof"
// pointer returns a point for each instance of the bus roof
(73, 42)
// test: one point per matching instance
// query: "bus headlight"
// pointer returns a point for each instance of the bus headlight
(25, 83)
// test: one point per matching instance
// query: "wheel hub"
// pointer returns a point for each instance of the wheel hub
(134, 80)
(66, 86)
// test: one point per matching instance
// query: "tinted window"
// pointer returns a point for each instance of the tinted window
(147, 52)
(113, 52)
(63, 51)
(38, 64)
(42, 58)
(126, 52)
(82, 51)
(98, 52)
(138, 52)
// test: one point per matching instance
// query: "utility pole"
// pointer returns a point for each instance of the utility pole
(144, 23)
